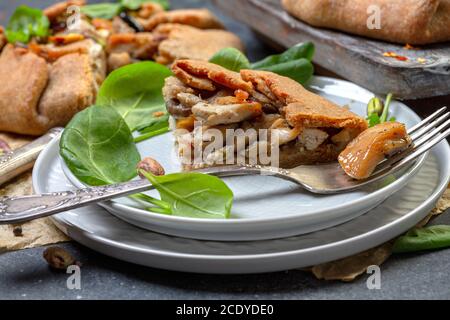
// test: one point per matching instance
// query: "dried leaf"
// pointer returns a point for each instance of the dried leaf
(349, 268)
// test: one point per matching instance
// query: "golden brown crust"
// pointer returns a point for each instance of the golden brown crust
(24, 77)
(199, 18)
(303, 108)
(282, 88)
(36, 96)
(213, 72)
(185, 42)
(316, 111)
(406, 21)
(70, 89)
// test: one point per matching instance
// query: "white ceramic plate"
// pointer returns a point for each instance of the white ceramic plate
(94, 227)
(266, 207)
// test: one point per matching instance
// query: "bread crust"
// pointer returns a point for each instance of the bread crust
(402, 21)
(36, 96)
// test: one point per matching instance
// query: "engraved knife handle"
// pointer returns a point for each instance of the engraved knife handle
(25, 208)
(20, 160)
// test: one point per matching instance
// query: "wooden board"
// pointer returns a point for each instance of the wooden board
(355, 58)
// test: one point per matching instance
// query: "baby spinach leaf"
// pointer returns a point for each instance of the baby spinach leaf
(102, 10)
(136, 4)
(299, 70)
(153, 123)
(300, 51)
(194, 195)
(434, 237)
(231, 59)
(98, 147)
(373, 120)
(135, 91)
(25, 23)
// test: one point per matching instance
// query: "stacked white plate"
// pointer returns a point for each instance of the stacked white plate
(275, 225)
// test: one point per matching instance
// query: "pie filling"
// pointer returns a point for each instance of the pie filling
(222, 108)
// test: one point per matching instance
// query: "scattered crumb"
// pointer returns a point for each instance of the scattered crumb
(421, 60)
(391, 54)
(17, 230)
(158, 114)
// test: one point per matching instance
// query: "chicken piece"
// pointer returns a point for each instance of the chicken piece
(312, 138)
(213, 115)
(140, 45)
(188, 99)
(364, 153)
(198, 18)
(118, 60)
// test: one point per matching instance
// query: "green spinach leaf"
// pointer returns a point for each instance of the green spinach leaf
(419, 239)
(25, 23)
(136, 4)
(98, 147)
(231, 59)
(194, 195)
(299, 70)
(102, 10)
(300, 51)
(135, 91)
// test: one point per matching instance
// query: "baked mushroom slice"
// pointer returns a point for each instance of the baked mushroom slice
(185, 42)
(363, 154)
(198, 18)
(309, 128)
(37, 95)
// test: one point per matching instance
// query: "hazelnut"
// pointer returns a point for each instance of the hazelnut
(152, 166)
(58, 258)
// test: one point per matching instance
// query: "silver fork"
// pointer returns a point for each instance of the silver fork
(320, 179)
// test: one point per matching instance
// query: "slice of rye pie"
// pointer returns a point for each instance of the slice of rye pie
(303, 127)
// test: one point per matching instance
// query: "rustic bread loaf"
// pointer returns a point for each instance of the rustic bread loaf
(403, 21)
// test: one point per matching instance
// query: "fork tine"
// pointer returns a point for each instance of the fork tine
(426, 120)
(424, 130)
(431, 134)
(417, 153)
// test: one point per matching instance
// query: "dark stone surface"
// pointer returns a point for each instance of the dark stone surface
(25, 274)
